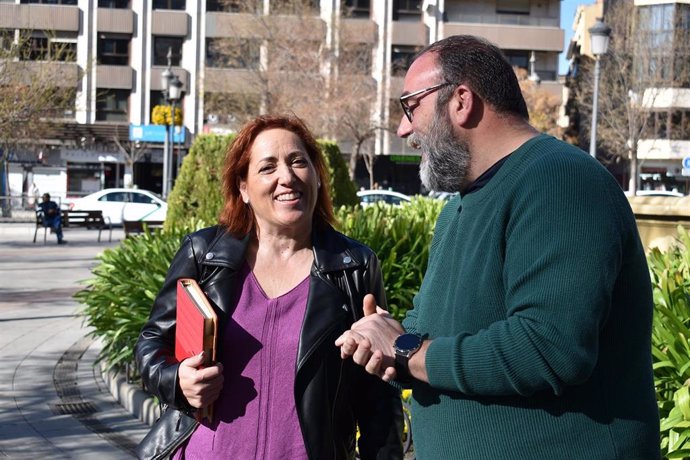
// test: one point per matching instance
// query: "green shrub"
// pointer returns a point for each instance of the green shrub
(118, 299)
(342, 189)
(401, 237)
(670, 272)
(197, 193)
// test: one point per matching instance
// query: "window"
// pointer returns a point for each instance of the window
(234, 6)
(295, 7)
(401, 58)
(356, 8)
(517, 58)
(512, 6)
(160, 50)
(122, 4)
(231, 109)
(51, 2)
(233, 53)
(168, 4)
(113, 51)
(44, 49)
(112, 105)
(407, 9)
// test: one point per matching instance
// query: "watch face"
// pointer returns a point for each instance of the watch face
(408, 342)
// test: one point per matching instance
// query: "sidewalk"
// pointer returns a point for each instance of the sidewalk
(53, 401)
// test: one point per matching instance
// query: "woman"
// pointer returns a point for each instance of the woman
(285, 285)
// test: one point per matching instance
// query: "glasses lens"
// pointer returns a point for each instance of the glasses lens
(406, 109)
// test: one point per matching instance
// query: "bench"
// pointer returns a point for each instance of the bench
(87, 219)
(40, 224)
(135, 227)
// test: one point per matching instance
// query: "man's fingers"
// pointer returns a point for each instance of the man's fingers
(373, 366)
(363, 352)
(369, 305)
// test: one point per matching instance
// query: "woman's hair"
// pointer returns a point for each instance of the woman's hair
(482, 66)
(237, 216)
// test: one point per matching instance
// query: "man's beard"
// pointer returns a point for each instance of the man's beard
(447, 160)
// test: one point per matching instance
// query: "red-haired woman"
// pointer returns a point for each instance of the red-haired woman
(285, 285)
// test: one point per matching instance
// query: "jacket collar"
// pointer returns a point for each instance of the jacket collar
(331, 251)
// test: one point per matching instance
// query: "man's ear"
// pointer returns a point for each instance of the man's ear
(461, 105)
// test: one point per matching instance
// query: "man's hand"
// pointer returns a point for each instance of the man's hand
(201, 387)
(370, 340)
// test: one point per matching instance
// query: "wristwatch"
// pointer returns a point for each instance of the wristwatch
(405, 346)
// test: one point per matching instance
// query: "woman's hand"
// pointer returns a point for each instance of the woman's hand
(202, 386)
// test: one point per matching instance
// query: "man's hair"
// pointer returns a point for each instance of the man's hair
(46, 195)
(236, 215)
(482, 66)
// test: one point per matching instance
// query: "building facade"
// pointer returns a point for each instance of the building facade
(661, 92)
(121, 49)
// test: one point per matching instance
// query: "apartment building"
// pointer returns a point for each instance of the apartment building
(121, 49)
(663, 26)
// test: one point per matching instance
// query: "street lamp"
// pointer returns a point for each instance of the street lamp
(599, 34)
(172, 90)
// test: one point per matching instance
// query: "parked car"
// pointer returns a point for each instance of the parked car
(442, 195)
(659, 193)
(120, 204)
(367, 197)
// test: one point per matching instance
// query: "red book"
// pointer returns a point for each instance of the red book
(196, 327)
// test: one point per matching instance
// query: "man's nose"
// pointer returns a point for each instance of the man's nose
(405, 127)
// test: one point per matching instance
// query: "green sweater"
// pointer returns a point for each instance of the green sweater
(538, 300)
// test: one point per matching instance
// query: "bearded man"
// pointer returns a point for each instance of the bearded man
(530, 335)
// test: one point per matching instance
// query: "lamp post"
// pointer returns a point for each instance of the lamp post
(172, 91)
(599, 34)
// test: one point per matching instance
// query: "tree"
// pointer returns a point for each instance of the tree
(640, 62)
(319, 70)
(133, 151)
(542, 105)
(37, 82)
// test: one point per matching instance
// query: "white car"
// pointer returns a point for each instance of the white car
(367, 197)
(120, 204)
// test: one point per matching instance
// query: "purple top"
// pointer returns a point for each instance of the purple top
(255, 415)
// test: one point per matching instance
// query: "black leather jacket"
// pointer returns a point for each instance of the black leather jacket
(332, 395)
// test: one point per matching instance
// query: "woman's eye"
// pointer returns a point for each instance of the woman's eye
(299, 161)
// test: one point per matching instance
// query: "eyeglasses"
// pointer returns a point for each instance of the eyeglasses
(421, 93)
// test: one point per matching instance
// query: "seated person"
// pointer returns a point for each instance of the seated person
(52, 217)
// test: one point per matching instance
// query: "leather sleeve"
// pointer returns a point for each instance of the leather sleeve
(377, 404)
(155, 350)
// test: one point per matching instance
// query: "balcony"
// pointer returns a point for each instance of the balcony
(169, 23)
(114, 77)
(115, 20)
(242, 25)
(512, 37)
(64, 74)
(155, 77)
(55, 18)
(662, 149)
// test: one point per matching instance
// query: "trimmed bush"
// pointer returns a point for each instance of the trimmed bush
(670, 273)
(342, 189)
(401, 237)
(118, 299)
(197, 194)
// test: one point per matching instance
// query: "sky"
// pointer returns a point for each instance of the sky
(568, 8)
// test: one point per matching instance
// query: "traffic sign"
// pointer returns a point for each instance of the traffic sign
(686, 166)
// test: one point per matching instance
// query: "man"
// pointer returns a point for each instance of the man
(530, 335)
(52, 217)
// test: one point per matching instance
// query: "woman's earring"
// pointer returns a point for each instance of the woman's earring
(318, 184)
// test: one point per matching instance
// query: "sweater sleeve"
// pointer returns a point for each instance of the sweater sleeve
(563, 243)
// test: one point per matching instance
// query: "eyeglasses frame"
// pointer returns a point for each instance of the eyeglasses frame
(407, 110)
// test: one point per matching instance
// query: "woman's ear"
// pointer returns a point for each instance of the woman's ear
(242, 185)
